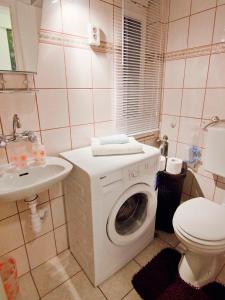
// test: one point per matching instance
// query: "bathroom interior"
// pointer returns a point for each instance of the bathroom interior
(112, 142)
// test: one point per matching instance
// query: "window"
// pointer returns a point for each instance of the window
(138, 68)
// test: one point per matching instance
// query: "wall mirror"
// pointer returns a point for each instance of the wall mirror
(19, 32)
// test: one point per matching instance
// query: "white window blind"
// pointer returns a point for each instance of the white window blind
(138, 62)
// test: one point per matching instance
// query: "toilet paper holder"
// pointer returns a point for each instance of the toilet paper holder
(214, 120)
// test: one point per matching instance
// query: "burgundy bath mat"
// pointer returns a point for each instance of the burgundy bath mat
(160, 280)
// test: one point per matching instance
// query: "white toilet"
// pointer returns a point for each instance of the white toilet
(199, 224)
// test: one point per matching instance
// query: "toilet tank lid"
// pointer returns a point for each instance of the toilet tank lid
(202, 219)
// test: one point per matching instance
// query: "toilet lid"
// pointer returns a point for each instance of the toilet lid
(202, 219)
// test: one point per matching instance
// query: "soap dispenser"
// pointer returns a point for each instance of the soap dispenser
(38, 152)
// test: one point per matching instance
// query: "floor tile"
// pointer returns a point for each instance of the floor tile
(27, 288)
(118, 285)
(152, 250)
(76, 288)
(54, 272)
(133, 295)
(170, 238)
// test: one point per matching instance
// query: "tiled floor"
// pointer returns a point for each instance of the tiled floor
(61, 278)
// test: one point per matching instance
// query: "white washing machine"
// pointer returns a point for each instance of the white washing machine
(110, 207)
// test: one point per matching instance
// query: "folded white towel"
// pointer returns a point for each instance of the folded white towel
(114, 139)
(115, 149)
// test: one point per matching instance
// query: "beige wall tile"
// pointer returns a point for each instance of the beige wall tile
(56, 190)
(219, 34)
(56, 140)
(174, 73)
(41, 249)
(104, 128)
(58, 212)
(81, 135)
(201, 28)
(61, 238)
(51, 16)
(170, 126)
(196, 72)
(200, 5)
(75, 15)
(7, 209)
(53, 108)
(78, 67)
(11, 234)
(192, 103)
(81, 106)
(214, 103)
(25, 106)
(48, 56)
(27, 288)
(179, 9)
(189, 131)
(178, 35)
(172, 101)
(219, 195)
(217, 71)
(102, 70)
(203, 187)
(21, 260)
(103, 104)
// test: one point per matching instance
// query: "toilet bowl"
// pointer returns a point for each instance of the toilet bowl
(199, 224)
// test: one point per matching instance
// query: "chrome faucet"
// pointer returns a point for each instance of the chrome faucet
(26, 135)
(16, 124)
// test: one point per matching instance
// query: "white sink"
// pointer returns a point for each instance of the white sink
(25, 183)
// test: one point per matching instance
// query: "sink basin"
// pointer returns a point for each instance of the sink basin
(25, 183)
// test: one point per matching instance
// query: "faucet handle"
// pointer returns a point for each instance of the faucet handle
(31, 136)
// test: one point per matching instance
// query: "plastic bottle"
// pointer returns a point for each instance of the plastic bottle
(38, 152)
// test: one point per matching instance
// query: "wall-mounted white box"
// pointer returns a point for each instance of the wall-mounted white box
(93, 35)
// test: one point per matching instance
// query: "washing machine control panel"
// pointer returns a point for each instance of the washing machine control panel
(147, 167)
(133, 172)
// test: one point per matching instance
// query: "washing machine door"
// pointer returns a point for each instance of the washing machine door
(132, 214)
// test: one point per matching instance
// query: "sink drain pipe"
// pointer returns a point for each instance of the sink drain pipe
(37, 216)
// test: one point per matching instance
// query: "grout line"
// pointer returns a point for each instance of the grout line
(62, 283)
(182, 93)
(101, 291)
(132, 288)
(196, 13)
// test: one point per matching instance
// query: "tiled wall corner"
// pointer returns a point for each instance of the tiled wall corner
(194, 85)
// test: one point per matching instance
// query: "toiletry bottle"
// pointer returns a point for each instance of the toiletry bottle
(19, 156)
(38, 152)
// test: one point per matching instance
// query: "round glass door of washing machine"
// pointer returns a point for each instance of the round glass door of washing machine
(132, 214)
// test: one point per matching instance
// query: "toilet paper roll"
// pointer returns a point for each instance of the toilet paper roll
(174, 165)
(162, 163)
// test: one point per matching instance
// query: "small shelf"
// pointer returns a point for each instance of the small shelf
(26, 84)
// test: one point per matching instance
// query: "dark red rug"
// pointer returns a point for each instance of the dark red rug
(160, 280)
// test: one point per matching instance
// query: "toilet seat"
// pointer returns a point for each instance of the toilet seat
(197, 244)
(201, 221)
